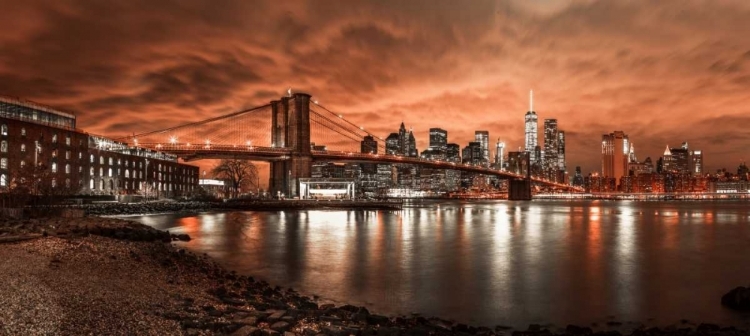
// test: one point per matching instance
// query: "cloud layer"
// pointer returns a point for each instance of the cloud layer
(662, 72)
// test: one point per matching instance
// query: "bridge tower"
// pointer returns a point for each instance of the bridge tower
(290, 128)
(520, 189)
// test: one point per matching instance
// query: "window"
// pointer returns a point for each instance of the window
(109, 173)
(54, 167)
(3, 180)
(92, 158)
(54, 153)
(110, 161)
(67, 140)
(91, 171)
(23, 132)
(4, 163)
(91, 184)
(54, 138)
(4, 146)
(4, 129)
(80, 155)
(101, 159)
(127, 173)
(80, 169)
(23, 147)
(54, 183)
(101, 184)
(67, 155)
(67, 183)
(67, 168)
(119, 162)
(23, 163)
(101, 171)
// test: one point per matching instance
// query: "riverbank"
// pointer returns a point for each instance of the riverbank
(122, 209)
(109, 276)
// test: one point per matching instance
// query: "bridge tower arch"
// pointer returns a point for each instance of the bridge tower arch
(290, 128)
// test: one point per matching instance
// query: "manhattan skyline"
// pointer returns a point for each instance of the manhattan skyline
(664, 73)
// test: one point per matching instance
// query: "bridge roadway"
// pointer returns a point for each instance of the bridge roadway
(192, 152)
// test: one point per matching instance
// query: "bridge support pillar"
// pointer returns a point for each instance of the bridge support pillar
(519, 190)
(291, 128)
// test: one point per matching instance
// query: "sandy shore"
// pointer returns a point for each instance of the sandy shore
(95, 276)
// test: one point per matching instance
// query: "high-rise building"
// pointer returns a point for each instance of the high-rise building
(472, 154)
(550, 149)
(499, 154)
(438, 139)
(393, 144)
(411, 147)
(452, 153)
(578, 177)
(483, 138)
(403, 140)
(696, 162)
(530, 130)
(680, 159)
(561, 164)
(369, 145)
(615, 150)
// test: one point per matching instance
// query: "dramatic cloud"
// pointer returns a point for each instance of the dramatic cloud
(664, 72)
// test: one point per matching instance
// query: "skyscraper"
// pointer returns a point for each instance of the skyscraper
(561, 165)
(483, 138)
(393, 144)
(550, 149)
(452, 152)
(369, 145)
(696, 160)
(411, 147)
(438, 139)
(615, 150)
(499, 154)
(531, 130)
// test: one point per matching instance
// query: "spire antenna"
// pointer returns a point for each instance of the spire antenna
(531, 100)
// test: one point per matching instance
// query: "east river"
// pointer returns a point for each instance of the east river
(496, 262)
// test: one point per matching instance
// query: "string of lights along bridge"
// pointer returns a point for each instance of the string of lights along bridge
(291, 134)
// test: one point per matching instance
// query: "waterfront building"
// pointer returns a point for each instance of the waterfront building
(483, 138)
(530, 130)
(615, 150)
(43, 144)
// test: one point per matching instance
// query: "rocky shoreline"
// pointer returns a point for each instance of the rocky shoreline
(110, 276)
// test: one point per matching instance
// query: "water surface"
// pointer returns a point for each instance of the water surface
(496, 262)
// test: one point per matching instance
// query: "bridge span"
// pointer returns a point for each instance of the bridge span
(288, 133)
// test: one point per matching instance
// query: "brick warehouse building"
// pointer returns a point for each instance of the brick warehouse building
(32, 134)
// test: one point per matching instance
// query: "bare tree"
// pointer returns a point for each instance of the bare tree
(239, 173)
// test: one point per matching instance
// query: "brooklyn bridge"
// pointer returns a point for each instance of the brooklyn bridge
(284, 133)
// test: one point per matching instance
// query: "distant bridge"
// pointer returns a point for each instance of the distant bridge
(283, 133)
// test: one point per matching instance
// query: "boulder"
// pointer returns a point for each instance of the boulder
(738, 299)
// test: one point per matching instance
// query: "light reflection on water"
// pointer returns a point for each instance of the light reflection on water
(488, 263)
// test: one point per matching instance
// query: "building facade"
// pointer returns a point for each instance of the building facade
(42, 144)
(615, 155)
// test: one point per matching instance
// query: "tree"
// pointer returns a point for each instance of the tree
(239, 173)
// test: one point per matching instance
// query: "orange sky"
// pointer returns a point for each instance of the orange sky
(664, 72)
